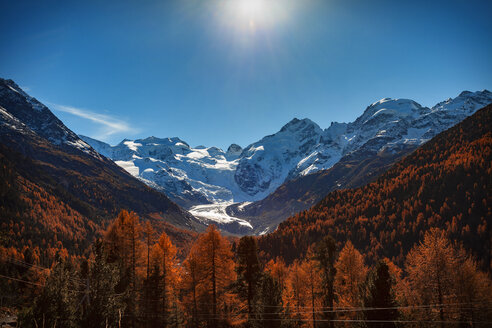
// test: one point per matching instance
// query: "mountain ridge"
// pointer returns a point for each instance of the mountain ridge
(48, 158)
(443, 184)
(194, 176)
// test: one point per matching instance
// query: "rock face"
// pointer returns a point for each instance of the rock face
(201, 175)
(46, 152)
(20, 111)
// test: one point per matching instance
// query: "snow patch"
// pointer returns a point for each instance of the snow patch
(129, 166)
(132, 145)
(211, 213)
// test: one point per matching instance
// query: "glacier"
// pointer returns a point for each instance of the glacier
(205, 180)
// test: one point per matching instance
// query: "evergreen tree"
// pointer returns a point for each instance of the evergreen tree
(152, 298)
(269, 302)
(103, 307)
(248, 271)
(326, 256)
(380, 295)
(57, 304)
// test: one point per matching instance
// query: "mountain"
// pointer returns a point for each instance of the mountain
(387, 131)
(65, 190)
(208, 181)
(444, 183)
(303, 192)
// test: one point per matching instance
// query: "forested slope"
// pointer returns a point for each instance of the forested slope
(446, 184)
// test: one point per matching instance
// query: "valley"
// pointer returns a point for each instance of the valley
(204, 179)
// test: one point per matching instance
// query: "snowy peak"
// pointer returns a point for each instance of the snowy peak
(264, 165)
(99, 146)
(33, 102)
(388, 109)
(466, 103)
(303, 127)
(201, 175)
(32, 116)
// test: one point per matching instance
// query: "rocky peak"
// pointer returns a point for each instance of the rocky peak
(234, 150)
(38, 118)
(296, 125)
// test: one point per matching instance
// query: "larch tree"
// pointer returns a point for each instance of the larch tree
(430, 267)
(350, 278)
(312, 275)
(441, 273)
(278, 270)
(214, 256)
(296, 295)
(473, 291)
(164, 260)
(124, 245)
(192, 280)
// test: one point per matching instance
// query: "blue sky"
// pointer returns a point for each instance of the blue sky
(214, 72)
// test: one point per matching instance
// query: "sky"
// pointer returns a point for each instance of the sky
(216, 72)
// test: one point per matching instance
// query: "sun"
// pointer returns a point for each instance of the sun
(251, 10)
(253, 14)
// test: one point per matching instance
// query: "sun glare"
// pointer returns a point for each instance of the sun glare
(251, 9)
(252, 14)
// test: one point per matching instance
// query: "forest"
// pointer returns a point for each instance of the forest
(411, 249)
(445, 183)
(134, 277)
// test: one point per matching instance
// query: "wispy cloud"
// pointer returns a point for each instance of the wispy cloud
(108, 125)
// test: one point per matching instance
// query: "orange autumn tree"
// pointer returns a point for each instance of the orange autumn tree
(124, 246)
(430, 267)
(296, 296)
(312, 275)
(192, 287)
(165, 275)
(209, 271)
(439, 272)
(349, 279)
(149, 234)
(278, 270)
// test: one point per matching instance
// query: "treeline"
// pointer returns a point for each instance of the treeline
(133, 278)
(38, 228)
(60, 202)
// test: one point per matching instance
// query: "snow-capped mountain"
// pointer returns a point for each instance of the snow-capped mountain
(191, 176)
(201, 175)
(25, 113)
(48, 153)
